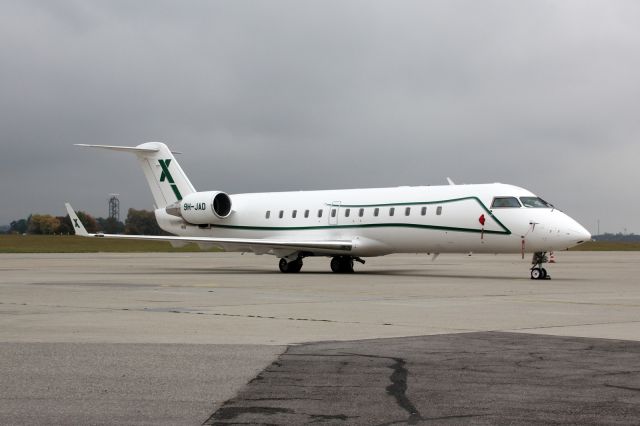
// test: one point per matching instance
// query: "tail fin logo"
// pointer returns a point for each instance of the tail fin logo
(166, 174)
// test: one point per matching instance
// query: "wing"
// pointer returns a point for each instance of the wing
(258, 245)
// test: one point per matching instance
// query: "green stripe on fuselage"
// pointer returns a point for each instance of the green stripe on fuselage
(504, 231)
(365, 225)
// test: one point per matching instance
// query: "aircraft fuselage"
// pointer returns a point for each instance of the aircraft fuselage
(379, 221)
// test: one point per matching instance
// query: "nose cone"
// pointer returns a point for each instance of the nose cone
(573, 233)
(579, 233)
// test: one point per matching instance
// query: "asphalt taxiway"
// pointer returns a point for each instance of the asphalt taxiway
(182, 338)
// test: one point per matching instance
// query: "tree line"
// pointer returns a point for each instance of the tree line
(140, 222)
(619, 237)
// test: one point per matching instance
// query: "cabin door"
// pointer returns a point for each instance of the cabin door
(334, 212)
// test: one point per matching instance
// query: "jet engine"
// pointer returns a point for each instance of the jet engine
(201, 208)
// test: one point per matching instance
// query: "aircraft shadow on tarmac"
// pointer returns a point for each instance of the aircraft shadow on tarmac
(412, 273)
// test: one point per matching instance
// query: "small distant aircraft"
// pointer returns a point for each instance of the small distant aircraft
(350, 224)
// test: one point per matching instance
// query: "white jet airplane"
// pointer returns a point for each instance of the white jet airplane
(350, 224)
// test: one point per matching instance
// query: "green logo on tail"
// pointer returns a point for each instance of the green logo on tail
(166, 174)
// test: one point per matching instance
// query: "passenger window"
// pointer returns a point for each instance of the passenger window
(320, 213)
(361, 212)
(281, 214)
(347, 212)
(267, 215)
(333, 212)
(439, 210)
(376, 211)
(502, 202)
(407, 211)
(294, 214)
(392, 211)
(423, 211)
(306, 213)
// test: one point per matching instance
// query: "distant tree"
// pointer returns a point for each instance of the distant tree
(18, 226)
(110, 225)
(88, 221)
(142, 222)
(65, 225)
(43, 224)
(619, 237)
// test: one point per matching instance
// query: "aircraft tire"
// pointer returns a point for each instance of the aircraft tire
(536, 273)
(295, 266)
(283, 266)
(342, 264)
(288, 267)
(335, 264)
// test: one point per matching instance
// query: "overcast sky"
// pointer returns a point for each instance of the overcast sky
(287, 95)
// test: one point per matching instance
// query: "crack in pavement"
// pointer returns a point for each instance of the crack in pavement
(622, 387)
(398, 389)
(230, 412)
(398, 386)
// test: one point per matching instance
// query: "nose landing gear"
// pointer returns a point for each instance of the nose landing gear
(537, 271)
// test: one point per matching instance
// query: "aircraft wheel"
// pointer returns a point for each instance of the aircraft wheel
(536, 273)
(295, 266)
(544, 274)
(342, 264)
(286, 267)
(348, 265)
(336, 265)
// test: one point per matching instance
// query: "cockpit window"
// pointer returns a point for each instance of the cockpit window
(535, 202)
(500, 202)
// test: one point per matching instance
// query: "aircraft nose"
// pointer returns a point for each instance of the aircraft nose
(579, 233)
(582, 234)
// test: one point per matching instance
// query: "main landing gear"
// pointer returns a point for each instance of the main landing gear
(293, 266)
(344, 264)
(537, 271)
(339, 264)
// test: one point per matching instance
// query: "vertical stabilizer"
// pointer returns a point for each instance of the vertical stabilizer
(166, 179)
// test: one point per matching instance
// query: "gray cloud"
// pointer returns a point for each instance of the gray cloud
(288, 95)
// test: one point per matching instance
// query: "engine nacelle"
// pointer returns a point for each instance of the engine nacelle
(201, 208)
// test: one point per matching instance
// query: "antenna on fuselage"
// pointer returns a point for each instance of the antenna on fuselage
(450, 181)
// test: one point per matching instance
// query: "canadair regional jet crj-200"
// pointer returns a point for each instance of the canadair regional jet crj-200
(349, 224)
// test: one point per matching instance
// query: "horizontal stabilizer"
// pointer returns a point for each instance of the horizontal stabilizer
(119, 148)
(166, 179)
